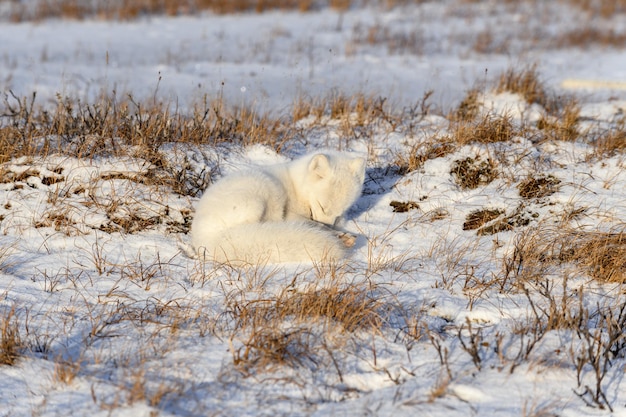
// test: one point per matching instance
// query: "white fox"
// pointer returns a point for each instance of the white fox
(280, 213)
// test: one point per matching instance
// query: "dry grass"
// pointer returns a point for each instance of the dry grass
(408, 42)
(466, 127)
(590, 36)
(563, 124)
(526, 82)
(599, 255)
(612, 141)
(469, 107)
(486, 129)
(421, 152)
(133, 9)
(65, 372)
(357, 110)
(605, 8)
(125, 127)
(309, 325)
(11, 343)
(87, 130)
(602, 255)
(299, 326)
(126, 10)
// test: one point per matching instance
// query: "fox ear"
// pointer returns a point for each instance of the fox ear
(319, 165)
(357, 165)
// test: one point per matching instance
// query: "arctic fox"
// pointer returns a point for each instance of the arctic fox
(279, 213)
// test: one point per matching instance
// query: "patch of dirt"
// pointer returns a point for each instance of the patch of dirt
(538, 187)
(469, 173)
(520, 218)
(403, 206)
(476, 219)
(131, 224)
(52, 180)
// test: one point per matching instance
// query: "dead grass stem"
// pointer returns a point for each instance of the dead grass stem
(10, 340)
(297, 325)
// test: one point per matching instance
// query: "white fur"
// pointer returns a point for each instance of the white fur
(279, 213)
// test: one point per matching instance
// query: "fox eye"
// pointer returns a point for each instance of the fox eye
(321, 207)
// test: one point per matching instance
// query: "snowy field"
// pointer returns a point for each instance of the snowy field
(488, 274)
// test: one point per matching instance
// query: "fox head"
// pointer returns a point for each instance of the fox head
(334, 182)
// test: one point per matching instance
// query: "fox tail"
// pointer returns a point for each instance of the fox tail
(271, 242)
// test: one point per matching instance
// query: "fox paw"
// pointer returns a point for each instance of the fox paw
(348, 239)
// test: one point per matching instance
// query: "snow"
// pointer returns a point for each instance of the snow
(126, 307)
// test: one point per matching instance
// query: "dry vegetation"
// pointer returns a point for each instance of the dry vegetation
(324, 323)
(125, 10)
(10, 340)
(328, 317)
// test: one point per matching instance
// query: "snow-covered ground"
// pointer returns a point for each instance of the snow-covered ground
(116, 320)
(269, 59)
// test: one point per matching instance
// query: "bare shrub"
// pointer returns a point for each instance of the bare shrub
(602, 343)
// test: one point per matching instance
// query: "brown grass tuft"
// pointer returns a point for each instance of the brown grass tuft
(284, 329)
(526, 83)
(87, 130)
(613, 140)
(10, 341)
(65, 372)
(563, 124)
(420, 153)
(487, 129)
(469, 107)
(603, 255)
